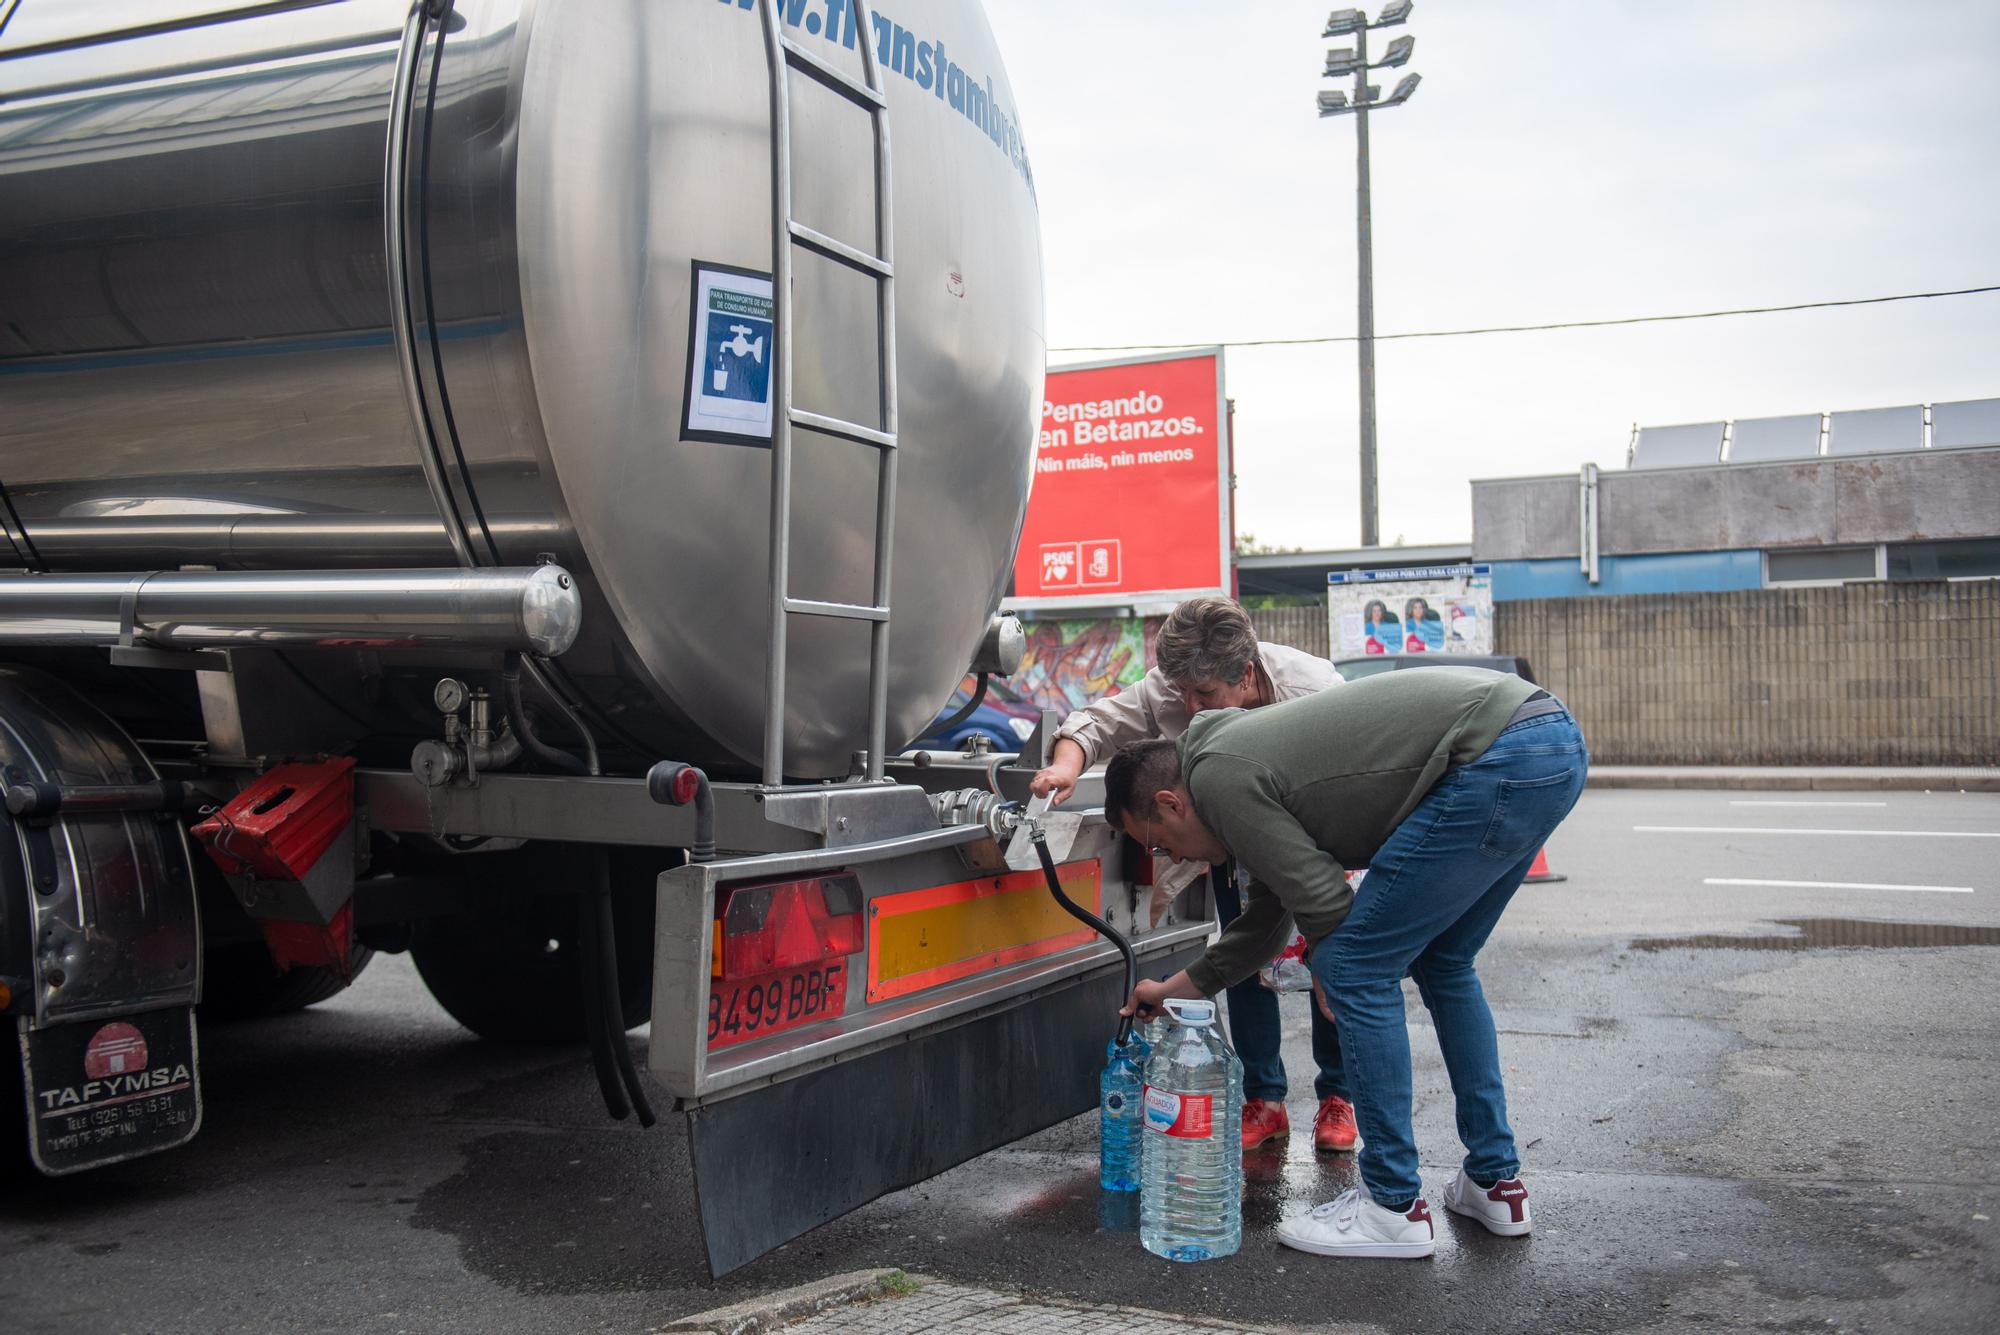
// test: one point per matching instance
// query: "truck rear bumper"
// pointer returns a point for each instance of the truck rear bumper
(774, 1162)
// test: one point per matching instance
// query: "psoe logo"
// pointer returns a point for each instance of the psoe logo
(1101, 561)
(1059, 564)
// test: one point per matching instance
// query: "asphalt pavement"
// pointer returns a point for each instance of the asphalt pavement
(1750, 1050)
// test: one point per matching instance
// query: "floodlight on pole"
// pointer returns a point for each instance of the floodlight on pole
(1340, 64)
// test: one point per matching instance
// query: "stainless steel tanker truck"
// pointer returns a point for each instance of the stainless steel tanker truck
(501, 480)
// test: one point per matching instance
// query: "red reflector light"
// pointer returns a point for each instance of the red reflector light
(783, 925)
(687, 786)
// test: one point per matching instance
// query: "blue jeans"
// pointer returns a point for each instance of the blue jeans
(1253, 1021)
(1431, 898)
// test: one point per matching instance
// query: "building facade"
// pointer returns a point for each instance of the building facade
(1713, 604)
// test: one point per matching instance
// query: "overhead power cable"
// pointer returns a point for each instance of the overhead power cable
(1525, 328)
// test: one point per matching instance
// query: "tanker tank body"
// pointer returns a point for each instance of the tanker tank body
(360, 519)
(199, 360)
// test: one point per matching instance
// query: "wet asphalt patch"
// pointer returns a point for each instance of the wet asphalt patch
(1834, 934)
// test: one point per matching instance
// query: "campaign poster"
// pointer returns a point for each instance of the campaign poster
(1130, 498)
(731, 346)
(1410, 610)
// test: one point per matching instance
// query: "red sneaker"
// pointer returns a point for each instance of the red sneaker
(1264, 1119)
(1333, 1127)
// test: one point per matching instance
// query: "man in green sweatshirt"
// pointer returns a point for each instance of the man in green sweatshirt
(1444, 783)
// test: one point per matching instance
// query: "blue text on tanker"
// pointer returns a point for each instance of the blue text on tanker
(923, 63)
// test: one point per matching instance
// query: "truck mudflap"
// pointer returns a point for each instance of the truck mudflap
(772, 1163)
(100, 941)
(102, 1091)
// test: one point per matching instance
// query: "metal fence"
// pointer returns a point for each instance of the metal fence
(1300, 627)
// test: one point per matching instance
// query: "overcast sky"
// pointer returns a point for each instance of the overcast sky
(1562, 160)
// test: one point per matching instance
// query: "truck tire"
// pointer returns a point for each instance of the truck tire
(514, 974)
(239, 982)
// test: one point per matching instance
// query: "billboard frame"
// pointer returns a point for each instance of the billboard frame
(1225, 448)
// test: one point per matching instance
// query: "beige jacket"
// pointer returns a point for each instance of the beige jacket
(1151, 707)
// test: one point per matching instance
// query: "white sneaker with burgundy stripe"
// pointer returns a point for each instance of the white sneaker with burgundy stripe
(1502, 1207)
(1353, 1225)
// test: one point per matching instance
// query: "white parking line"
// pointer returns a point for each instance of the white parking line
(1839, 885)
(1760, 802)
(1750, 829)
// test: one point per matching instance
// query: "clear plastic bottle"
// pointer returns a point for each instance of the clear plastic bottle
(1121, 1091)
(1191, 1193)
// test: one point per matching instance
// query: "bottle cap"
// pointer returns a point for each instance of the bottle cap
(1199, 1014)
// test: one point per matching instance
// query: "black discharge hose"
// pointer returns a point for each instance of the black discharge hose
(1097, 924)
(591, 948)
(961, 715)
(597, 934)
(609, 1004)
(517, 719)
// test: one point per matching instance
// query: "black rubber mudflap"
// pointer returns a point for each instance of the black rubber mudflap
(774, 1163)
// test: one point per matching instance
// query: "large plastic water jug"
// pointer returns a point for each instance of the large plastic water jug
(1120, 1113)
(1191, 1193)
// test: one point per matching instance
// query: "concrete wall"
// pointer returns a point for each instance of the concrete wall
(1860, 674)
(1930, 494)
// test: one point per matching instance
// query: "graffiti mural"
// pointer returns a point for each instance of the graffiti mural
(1070, 663)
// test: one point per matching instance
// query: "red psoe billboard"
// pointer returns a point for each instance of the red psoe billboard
(1131, 494)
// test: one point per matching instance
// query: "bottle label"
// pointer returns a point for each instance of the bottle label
(1189, 1116)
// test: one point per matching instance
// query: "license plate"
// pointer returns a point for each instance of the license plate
(101, 1091)
(746, 1008)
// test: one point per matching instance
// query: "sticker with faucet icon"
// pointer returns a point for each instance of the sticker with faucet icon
(731, 347)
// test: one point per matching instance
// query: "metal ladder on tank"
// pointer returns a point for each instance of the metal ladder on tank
(783, 56)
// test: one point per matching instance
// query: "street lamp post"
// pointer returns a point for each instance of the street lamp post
(1345, 22)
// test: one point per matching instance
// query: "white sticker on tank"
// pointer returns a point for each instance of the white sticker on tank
(731, 348)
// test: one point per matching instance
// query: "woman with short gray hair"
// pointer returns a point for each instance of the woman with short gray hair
(1205, 639)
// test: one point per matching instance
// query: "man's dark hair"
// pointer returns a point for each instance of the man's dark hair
(1139, 770)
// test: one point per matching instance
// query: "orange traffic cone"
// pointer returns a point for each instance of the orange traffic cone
(1540, 871)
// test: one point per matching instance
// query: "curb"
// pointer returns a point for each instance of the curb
(1781, 778)
(772, 1310)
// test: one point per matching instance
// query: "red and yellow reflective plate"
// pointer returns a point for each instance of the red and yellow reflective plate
(921, 938)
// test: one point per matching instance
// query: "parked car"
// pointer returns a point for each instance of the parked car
(1353, 669)
(1003, 718)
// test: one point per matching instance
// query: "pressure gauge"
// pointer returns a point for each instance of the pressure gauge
(449, 696)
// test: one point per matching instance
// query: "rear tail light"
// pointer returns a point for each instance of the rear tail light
(779, 925)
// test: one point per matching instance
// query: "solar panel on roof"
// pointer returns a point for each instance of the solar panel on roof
(1760, 439)
(1678, 446)
(1876, 431)
(1965, 424)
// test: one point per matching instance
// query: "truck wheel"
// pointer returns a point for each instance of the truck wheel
(239, 982)
(514, 973)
